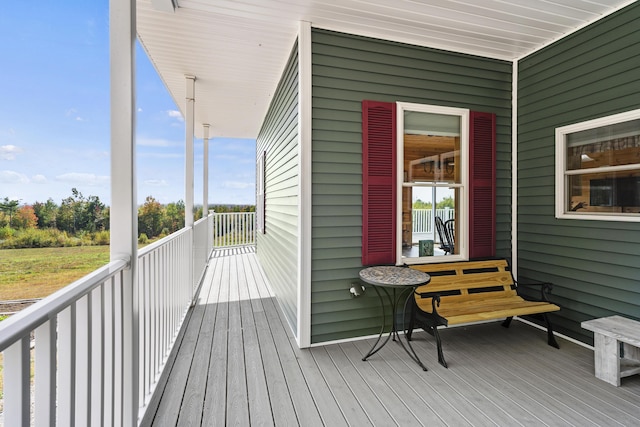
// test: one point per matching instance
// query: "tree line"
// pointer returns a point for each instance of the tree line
(80, 220)
(446, 202)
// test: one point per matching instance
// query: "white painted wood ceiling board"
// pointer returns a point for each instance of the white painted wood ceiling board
(237, 49)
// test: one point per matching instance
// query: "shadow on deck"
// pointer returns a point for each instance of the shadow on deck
(236, 363)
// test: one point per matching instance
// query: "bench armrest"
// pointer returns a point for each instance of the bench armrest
(435, 297)
(435, 303)
(545, 288)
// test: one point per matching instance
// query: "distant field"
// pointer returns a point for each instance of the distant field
(36, 273)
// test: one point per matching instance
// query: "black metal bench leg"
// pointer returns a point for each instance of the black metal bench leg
(412, 321)
(507, 322)
(441, 360)
(551, 339)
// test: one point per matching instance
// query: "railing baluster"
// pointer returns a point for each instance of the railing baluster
(108, 345)
(97, 356)
(16, 379)
(66, 363)
(82, 357)
(45, 373)
(118, 352)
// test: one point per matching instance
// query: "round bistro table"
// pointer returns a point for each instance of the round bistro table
(401, 281)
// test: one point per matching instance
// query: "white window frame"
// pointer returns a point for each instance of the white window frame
(462, 239)
(562, 173)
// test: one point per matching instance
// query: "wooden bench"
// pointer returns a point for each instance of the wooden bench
(473, 291)
(608, 334)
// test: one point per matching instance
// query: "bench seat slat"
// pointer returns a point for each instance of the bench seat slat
(469, 303)
(496, 309)
(499, 314)
(454, 317)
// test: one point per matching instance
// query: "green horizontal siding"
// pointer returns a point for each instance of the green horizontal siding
(277, 248)
(346, 70)
(594, 265)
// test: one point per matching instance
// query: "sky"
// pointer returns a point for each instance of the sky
(54, 115)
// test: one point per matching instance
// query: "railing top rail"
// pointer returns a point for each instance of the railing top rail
(22, 323)
(155, 245)
(201, 220)
(233, 213)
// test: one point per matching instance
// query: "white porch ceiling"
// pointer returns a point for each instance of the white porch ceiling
(237, 49)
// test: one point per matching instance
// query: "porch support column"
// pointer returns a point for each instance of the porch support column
(205, 172)
(188, 170)
(124, 212)
(205, 182)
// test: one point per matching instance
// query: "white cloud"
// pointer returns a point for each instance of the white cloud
(156, 182)
(237, 185)
(175, 114)
(139, 109)
(13, 177)
(8, 152)
(39, 179)
(72, 112)
(79, 178)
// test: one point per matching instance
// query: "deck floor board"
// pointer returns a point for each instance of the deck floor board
(236, 362)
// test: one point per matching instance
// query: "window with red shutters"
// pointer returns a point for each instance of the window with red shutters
(379, 167)
(378, 182)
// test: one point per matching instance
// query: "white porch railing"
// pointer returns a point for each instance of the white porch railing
(76, 338)
(234, 229)
(423, 218)
(76, 350)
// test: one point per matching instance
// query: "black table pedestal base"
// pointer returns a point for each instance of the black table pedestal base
(393, 334)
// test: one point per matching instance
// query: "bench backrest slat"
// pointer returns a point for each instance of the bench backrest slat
(468, 277)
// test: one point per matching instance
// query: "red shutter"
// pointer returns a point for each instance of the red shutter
(378, 182)
(482, 185)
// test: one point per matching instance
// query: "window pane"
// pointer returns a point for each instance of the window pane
(613, 145)
(431, 147)
(610, 193)
(420, 235)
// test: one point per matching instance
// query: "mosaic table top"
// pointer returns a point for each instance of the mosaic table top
(393, 276)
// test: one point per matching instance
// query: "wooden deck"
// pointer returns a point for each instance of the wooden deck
(237, 364)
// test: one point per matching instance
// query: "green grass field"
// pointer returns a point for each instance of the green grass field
(37, 273)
